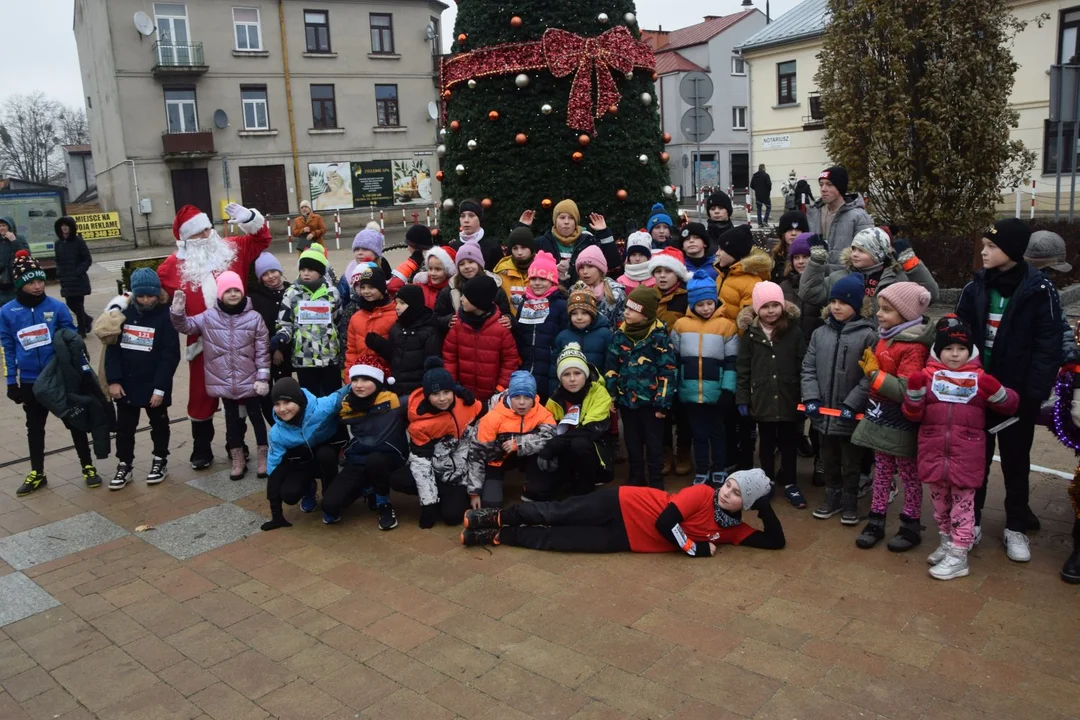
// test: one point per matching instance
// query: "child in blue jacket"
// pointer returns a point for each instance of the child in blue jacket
(27, 326)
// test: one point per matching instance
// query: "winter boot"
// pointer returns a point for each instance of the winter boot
(277, 518)
(239, 464)
(263, 452)
(487, 536)
(482, 518)
(683, 464)
(872, 533)
(719, 477)
(953, 565)
(850, 504)
(908, 536)
(942, 549)
(701, 479)
(829, 506)
(669, 461)
(1070, 571)
(202, 438)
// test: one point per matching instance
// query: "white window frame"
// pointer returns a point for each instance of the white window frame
(194, 102)
(737, 59)
(247, 24)
(737, 122)
(172, 50)
(255, 104)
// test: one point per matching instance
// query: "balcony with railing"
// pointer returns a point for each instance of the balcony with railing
(189, 145)
(176, 59)
(816, 119)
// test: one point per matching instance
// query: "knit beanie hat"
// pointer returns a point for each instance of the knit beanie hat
(753, 485)
(444, 255)
(313, 259)
(544, 266)
(874, 242)
(226, 281)
(371, 275)
(592, 255)
(582, 298)
(418, 237)
(671, 259)
(436, 377)
(521, 383)
(481, 291)
(265, 263)
(471, 206)
(849, 289)
(950, 329)
(638, 242)
(719, 199)
(566, 206)
(572, 357)
(470, 251)
(288, 389)
(837, 176)
(697, 230)
(26, 269)
(521, 236)
(370, 365)
(1012, 236)
(700, 287)
(644, 300)
(411, 295)
(765, 293)
(358, 273)
(800, 245)
(737, 242)
(793, 220)
(372, 240)
(658, 216)
(910, 299)
(145, 281)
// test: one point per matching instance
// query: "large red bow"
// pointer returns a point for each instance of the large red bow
(567, 53)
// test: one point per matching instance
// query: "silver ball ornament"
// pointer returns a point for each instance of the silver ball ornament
(643, 159)
(546, 109)
(602, 18)
(472, 84)
(522, 80)
(646, 99)
(668, 191)
(630, 18)
(460, 169)
(442, 133)
(441, 151)
(471, 144)
(448, 204)
(630, 75)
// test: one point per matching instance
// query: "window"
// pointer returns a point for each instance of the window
(173, 45)
(738, 118)
(785, 83)
(1050, 136)
(738, 65)
(256, 115)
(1068, 47)
(382, 33)
(386, 105)
(317, 30)
(246, 28)
(323, 109)
(181, 114)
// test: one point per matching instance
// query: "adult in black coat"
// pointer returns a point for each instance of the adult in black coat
(414, 338)
(73, 263)
(761, 184)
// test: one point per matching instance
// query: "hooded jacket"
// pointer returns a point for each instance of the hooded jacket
(850, 218)
(831, 373)
(408, 347)
(481, 358)
(818, 278)
(378, 320)
(448, 301)
(27, 335)
(707, 350)
(8, 248)
(315, 344)
(146, 355)
(592, 421)
(735, 283)
(593, 340)
(318, 425)
(73, 260)
(69, 389)
(769, 369)
(437, 451)
(380, 428)
(642, 373)
(530, 433)
(236, 349)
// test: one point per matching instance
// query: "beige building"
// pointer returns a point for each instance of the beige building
(190, 102)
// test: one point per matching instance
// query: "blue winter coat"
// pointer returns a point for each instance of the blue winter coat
(318, 426)
(141, 372)
(536, 340)
(380, 429)
(594, 341)
(15, 319)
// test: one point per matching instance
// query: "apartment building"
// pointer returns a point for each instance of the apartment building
(264, 102)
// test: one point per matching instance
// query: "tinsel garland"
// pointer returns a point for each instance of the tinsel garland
(562, 53)
(1066, 431)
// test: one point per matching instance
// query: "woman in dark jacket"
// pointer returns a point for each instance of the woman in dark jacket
(73, 262)
(413, 339)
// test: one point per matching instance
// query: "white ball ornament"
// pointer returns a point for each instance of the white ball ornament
(630, 75)
(522, 80)
(441, 151)
(668, 190)
(602, 18)
(471, 144)
(472, 84)
(630, 18)
(643, 159)
(460, 169)
(442, 133)
(448, 204)
(646, 99)
(546, 109)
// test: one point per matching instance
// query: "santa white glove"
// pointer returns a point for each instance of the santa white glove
(179, 301)
(262, 388)
(238, 214)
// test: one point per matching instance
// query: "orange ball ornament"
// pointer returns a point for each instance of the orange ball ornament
(667, 138)
(584, 140)
(486, 203)
(664, 157)
(493, 115)
(455, 126)
(462, 38)
(578, 157)
(546, 203)
(446, 94)
(521, 138)
(516, 22)
(434, 232)
(613, 109)
(622, 195)
(439, 176)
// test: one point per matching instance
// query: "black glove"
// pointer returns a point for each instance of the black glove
(418, 258)
(553, 448)
(429, 515)
(900, 247)
(761, 503)
(817, 241)
(465, 394)
(14, 393)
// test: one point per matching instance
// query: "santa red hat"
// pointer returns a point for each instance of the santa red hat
(190, 221)
(371, 366)
(447, 256)
(671, 259)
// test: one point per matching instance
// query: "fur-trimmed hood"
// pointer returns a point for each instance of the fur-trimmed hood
(866, 312)
(758, 262)
(747, 317)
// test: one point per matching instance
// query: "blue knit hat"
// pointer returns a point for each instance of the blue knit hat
(144, 281)
(521, 383)
(701, 287)
(849, 289)
(658, 215)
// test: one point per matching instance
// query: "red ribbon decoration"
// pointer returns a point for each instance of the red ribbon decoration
(562, 53)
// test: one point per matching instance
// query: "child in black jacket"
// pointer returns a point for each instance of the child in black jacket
(266, 299)
(413, 339)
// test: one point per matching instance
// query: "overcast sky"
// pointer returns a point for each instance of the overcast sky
(45, 59)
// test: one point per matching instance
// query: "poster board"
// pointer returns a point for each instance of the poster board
(98, 226)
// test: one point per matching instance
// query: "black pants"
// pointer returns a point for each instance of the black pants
(292, 479)
(491, 495)
(740, 438)
(710, 444)
(578, 471)
(586, 523)
(644, 432)
(77, 305)
(1015, 450)
(236, 428)
(785, 435)
(352, 481)
(841, 459)
(319, 381)
(127, 419)
(36, 416)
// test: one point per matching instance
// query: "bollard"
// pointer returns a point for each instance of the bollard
(337, 228)
(288, 228)
(382, 219)
(1031, 216)
(428, 213)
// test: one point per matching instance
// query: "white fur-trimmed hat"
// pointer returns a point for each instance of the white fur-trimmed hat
(371, 366)
(446, 256)
(672, 259)
(190, 221)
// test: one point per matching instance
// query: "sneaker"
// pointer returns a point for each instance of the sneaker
(953, 565)
(1017, 546)
(942, 550)
(387, 518)
(976, 536)
(308, 503)
(159, 469)
(795, 497)
(487, 536)
(849, 517)
(90, 476)
(482, 518)
(701, 479)
(32, 482)
(866, 484)
(829, 506)
(121, 478)
(525, 498)
(329, 519)
(718, 478)
(201, 463)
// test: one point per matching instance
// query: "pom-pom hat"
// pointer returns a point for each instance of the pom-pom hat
(370, 365)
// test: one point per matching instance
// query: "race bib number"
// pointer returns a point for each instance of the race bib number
(313, 312)
(534, 311)
(136, 337)
(954, 387)
(571, 419)
(34, 336)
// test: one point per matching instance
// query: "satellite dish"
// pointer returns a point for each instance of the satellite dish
(433, 111)
(143, 23)
(429, 32)
(221, 119)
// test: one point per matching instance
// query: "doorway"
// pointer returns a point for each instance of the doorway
(264, 187)
(740, 170)
(192, 187)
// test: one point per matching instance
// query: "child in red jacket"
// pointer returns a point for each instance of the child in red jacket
(479, 351)
(950, 398)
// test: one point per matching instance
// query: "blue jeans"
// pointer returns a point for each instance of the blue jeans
(768, 209)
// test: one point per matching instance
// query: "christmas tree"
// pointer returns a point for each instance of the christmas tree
(549, 100)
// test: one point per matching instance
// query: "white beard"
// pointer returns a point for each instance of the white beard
(203, 260)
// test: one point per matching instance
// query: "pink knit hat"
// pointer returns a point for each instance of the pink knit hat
(910, 299)
(470, 251)
(544, 266)
(228, 280)
(765, 293)
(592, 255)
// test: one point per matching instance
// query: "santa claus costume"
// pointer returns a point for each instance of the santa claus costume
(201, 255)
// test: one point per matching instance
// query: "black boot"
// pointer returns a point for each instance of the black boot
(202, 439)
(277, 518)
(1070, 571)
(908, 536)
(873, 533)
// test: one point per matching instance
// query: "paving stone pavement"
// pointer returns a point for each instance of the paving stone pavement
(344, 622)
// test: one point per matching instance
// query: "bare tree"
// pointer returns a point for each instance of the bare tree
(73, 129)
(32, 129)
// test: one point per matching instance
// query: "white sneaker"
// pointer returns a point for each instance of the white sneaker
(942, 550)
(892, 491)
(976, 536)
(953, 565)
(1017, 546)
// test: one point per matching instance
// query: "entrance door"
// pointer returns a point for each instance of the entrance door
(192, 187)
(263, 187)
(740, 170)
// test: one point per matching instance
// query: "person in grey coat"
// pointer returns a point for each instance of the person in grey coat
(837, 216)
(73, 261)
(832, 380)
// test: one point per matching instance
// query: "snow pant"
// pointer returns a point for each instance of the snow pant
(319, 381)
(1015, 450)
(294, 477)
(453, 502)
(491, 495)
(354, 480)
(706, 423)
(577, 473)
(954, 512)
(127, 419)
(77, 305)
(784, 435)
(885, 465)
(643, 432)
(236, 428)
(586, 523)
(841, 459)
(36, 417)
